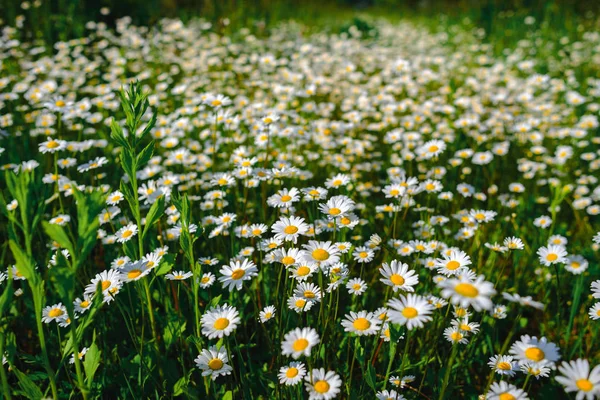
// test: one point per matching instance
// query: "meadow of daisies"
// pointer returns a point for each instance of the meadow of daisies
(392, 214)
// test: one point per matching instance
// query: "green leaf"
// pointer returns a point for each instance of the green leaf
(117, 135)
(228, 395)
(23, 262)
(371, 377)
(58, 234)
(29, 388)
(145, 155)
(154, 214)
(91, 362)
(128, 163)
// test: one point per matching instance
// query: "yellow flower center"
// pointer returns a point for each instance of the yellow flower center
(535, 354)
(303, 270)
(551, 257)
(291, 372)
(584, 384)
(221, 323)
(410, 312)
(320, 254)
(314, 192)
(134, 273)
(215, 364)
(335, 211)
(286, 198)
(216, 103)
(205, 279)
(106, 285)
(300, 344)
(394, 192)
(504, 366)
(84, 304)
(363, 254)
(433, 148)
(287, 260)
(506, 396)
(467, 290)
(52, 144)
(55, 312)
(60, 103)
(309, 295)
(452, 265)
(238, 274)
(127, 234)
(429, 186)
(290, 230)
(397, 280)
(337, 182)
(300, 303)
(361, 324)
(321, 387)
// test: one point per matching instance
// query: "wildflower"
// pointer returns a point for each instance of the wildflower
(289, 229)
(126, 233)
(292, 374)
(299, 342)
(322, 385)
(577, 377)
(56, 313)
(236, 273)
(504, 390)
(398, 276)
(267, 313)
(503, 365)
(80, 355)
(361, 323)
(412, 311)
(532, 349)
(178, 275)
(466, 293)
(219, 321)
(213, 362)
(552, 254)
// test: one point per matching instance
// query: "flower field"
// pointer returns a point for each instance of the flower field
(392, 213)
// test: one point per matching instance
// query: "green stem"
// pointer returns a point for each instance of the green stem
(5, 387)
(448, 371)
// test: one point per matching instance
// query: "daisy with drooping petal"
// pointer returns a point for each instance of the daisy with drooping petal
(299, 342)
(467, 293)
(503, 365)
(577, 377)
(398, 276)
(292, 374)
(61, 220)
(299, 304)
(133, 271)
(220, 321)
(532, 349)
(178, 275)
(322, 385)
(236, 273)
(389, 395)
(412, 311)
(308, 291)
(213, 362)
(110, 283)
(361, 323)
(594, 312)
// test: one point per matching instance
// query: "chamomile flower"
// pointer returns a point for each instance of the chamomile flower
(52, 146)
(467, 293)
(389, 395)
(207, 279)
(361, 323)
(363, 255)
(82, 305)
(267, 314)
(220, 321)
(292, 374)
(531, 349)
(356, 286)
(114, 198)
(451, 263)
(455, 336)
(234, 274)
(126, 233)
(553, 254)
(337, 206)
(594, 312)
(513, 243)
(178, 275)
(321, 253)
(213, 362)
(322, 385)
(289, 229)
(503, 365)
(503, 390)
(110, 283)
(56, 313)
(577, 377)
(413, 311)
(60, 220)
(80, 355)
(133, 271)
(299, 342)
(398, 275)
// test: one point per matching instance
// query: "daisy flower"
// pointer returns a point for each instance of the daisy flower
(503, 365)
(595, 287)
(576, 264)
(389, 395)
(56, 313)
(321, 253)
(289, 229)
(308, 291)
(236, 273)
(363, 254)
(504, 390)
(542, 222)
(412, 311)
(532, 349)
(513, 243)
(553, 254)
(467, 293)
(126, 233)
(292, 374)
(178, 275)
(303, 271)
(299, 342)
(82, 305)
(322, 385)
(80, 355)
(133, 271)
(208, 278)
(594, 311)
(337, 206)
(110, 284)
(284, 198)
(267, 313)
(398, 276)
(356, 286)
(337, 181)
(52, 146)
(431, 149)
(454, 335)
(450, 263)
(213, 362)
(220, 321)
(61, 219)
(577, 377)
(536, 370)
(299, 304)
(361, 323)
